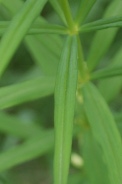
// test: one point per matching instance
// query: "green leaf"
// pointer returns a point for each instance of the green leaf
(65, 94)
(94, 163)
(14, 126)
(104, 130)
(84, 9)
(26, 91)
(31, 149)
(67, 13)
(103, 39)
(104, 86)
(110, 71)
(55, 4)
(17, 5)
(76, 178)
(118, 118)
(37, 28)
(17, 30)
(43, 52)
(102, 24)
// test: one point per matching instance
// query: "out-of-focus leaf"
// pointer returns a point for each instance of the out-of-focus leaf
(107, 90)
(108, 72)
(76, 179)
(118, 118)
(17, 30)
(44, 55)
(55, 4)
(93, 159)
(37, 29)
(14, 126)
(84, 9)
(65, 93)
(67, 12)
(17, 5)
(26, 91)
(104, 130)
(104, 38)
(102, 24)
(29, 150)
(44, 52)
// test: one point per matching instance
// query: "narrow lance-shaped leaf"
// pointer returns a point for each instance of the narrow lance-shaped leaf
(67, 12)
(104, 38)
(15, 126)
(55, 4)
(37, 28)
(65, 94)
(102, 24)
(94, 163)
(17, 30)
(118, 118)
(107, 90)
(104, 130)
(32, 148)
(26, 91)
(40, 47)
(17, 5)
(110, 71)
(84, 9)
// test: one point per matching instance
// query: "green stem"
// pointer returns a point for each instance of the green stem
(83, 71)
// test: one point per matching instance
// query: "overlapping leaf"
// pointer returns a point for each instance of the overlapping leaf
(104, 38)
(14, 126)
(44, 53)
(36, 28)
(102, 24)
(17, 30)
(29, 150)
(94, 163)
(110, 71)
(84, 9)
(26, 91)
(104, 131)
(108, 91)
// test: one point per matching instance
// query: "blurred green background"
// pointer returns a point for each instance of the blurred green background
(40, 112)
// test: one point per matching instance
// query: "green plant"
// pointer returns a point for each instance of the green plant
(77, 99)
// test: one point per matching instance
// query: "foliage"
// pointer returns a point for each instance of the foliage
(68, 51)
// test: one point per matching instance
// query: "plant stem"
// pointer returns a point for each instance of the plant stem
(83, 71)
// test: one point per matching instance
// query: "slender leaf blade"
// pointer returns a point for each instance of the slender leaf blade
(104, 86)
(102, 24)
(65, 93)
(14, 126)
(37, 28)
(32, 148)
(26, 91)
(84, 9)
(46, 56)
(55, 4)
(94, 163)
(104, 38)
(17, 30)
(110, 71)
(104, 131)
